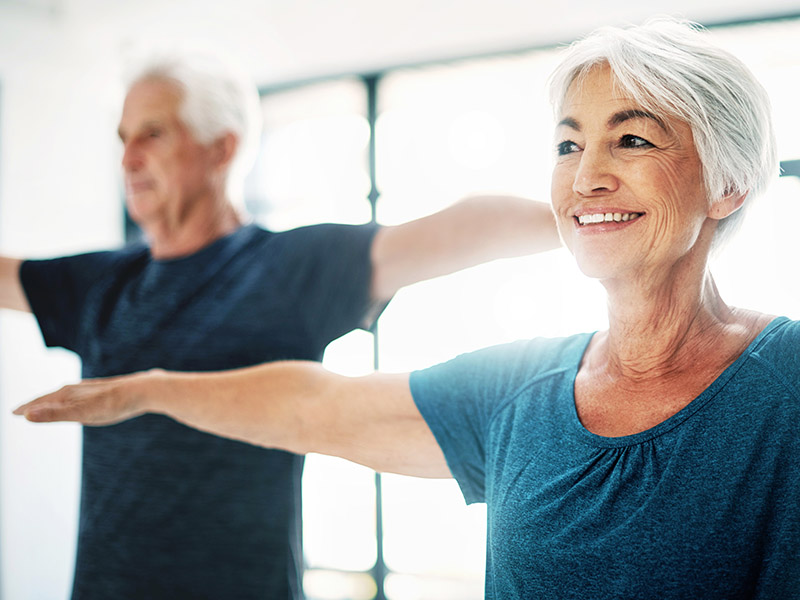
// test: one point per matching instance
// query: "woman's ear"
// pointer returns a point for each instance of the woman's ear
(727, 205)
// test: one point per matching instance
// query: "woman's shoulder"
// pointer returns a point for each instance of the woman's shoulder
(519, 360)
(777, 349)
(545, 350)
(780, 332)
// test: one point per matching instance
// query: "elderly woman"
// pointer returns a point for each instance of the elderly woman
(657, 459)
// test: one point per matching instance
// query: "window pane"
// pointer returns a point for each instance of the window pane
(430, 531)
(412, 587)
(339, 496)
(336, 585)
(338, 514)
(312, 167)
(450, 130)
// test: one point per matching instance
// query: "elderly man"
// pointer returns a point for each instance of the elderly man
(166, 511)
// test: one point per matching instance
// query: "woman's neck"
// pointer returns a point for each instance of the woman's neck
(664, 328)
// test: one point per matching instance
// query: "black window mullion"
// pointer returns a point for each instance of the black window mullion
(371, 88)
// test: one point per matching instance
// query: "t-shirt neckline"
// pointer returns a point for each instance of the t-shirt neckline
(200, 255)
(675, 420)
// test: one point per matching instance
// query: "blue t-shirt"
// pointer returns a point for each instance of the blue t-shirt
(170, 512)
(704, 505)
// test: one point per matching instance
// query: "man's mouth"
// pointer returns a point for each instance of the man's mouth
(591, 219)
(137, 187)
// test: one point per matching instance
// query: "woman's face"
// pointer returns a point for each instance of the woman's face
(627, 186)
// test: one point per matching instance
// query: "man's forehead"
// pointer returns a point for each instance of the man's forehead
(154, 93)
(150, 102)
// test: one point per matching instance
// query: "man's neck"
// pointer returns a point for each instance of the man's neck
(177, 238)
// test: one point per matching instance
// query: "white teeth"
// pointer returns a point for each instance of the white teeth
(607, 218)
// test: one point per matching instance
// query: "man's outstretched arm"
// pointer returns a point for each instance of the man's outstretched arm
(11, 293)
(472, 231)
(296, 406)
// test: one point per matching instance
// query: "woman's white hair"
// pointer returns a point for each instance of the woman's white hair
(673, 70)
(217, 97)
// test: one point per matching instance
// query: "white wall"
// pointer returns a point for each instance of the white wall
(57, 194)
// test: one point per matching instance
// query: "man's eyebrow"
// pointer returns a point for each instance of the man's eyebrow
(153, 123)
(634, 113)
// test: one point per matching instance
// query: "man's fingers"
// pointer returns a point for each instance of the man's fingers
(61, 405)
(41, 414)
(103, 401)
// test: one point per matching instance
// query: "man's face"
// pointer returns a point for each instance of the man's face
(166, 170)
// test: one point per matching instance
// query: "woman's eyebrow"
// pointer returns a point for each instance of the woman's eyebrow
(569, 122)
(616, 119)
(634, 113)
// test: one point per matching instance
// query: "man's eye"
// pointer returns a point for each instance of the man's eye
(154, 133)
(566, 147)
(634, 141)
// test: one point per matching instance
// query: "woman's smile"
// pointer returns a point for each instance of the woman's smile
(621, 169)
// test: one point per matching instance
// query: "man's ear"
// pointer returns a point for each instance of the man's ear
(727, 205)
(224, 148)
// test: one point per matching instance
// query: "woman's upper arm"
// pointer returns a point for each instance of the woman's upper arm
(374, 421)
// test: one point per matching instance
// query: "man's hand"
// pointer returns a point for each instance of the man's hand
(92, 402)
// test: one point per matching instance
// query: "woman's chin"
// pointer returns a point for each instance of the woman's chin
(597, 266)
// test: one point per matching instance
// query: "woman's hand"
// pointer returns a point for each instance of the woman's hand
(296, 406)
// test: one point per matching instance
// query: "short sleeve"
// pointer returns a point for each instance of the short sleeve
(458, 399)
(332, 264)
(781, 349)
(57, 290)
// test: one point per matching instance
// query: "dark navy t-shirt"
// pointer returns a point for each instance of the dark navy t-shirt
(705, 505)
(166, 511)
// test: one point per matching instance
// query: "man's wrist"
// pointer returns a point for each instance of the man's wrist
(145, 392)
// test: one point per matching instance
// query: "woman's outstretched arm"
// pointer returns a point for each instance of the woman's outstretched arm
(291, 405)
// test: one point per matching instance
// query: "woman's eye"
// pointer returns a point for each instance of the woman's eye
(566, 147)
(634, 141)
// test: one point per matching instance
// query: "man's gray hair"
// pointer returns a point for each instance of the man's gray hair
(673, 70)
(217, 98)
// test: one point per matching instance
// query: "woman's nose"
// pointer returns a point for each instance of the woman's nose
(595, 174)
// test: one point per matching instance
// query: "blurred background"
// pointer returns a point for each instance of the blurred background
(453, 93)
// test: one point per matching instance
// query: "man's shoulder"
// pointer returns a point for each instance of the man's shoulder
(323, 243)
(322, 231)
(91, 259)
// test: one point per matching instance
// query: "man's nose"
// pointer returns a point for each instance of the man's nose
(131, 158)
